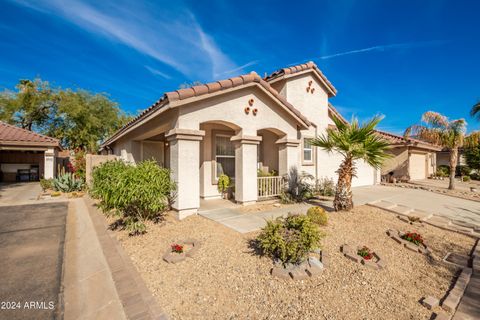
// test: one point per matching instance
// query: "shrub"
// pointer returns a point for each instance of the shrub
(475, 176)
(466, 178)
(318, 215)
(80, 164)
(135, 193)
(298, 187)
(67, 183)
(289, 239)
(325, 187)
(443, 171)
(262, 173)
(365, 253)
(46, 184)
(223, 183)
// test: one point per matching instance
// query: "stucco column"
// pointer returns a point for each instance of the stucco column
(246, 184)
(185, 166)
(49, 164)
(288, 156)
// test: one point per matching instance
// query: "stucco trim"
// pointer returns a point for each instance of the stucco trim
(244, 139)
(288, 142)
(185, 134)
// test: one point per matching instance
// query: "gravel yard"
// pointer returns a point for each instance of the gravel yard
(227, 280)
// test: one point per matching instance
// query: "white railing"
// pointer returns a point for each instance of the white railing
(270, 186)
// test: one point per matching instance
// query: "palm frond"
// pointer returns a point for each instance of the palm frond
(472, 140)
(475, 112)
(435, 119)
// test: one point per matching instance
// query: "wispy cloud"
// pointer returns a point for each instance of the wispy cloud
(384, 47)
(241, 68)
(157, 72)
(173, 38)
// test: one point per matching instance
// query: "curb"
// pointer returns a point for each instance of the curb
(137, 301)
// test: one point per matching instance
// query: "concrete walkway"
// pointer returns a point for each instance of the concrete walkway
(227, 213)
(19, 192)
(439, 204)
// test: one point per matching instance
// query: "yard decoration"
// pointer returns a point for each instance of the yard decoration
(179, 251)
(364, 256)
(411, 240)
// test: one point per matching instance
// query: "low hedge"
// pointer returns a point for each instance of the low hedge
(134, 193)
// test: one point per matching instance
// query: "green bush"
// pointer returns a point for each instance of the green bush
(46, 184)
(223, 183)
(80, 164)
(443, 171)
(135, 193)
(466, 178)
(475, 176)
(67, 182)
(289, 239)
(298, 187)
(463, 170)
(325, 187)
(318, 215)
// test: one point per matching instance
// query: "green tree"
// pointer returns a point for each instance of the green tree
(439, 130)
(354, 142)
(472, 157)
(78, 118)
(84, 120)
(32, 106)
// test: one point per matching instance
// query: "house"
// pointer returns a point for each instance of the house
(26, 155)
(236, 126)
(443, 158)
(411, 159)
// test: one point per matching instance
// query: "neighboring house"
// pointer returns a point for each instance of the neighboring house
(26, 155)
(443, 158)
(412, 159)
(235, 127)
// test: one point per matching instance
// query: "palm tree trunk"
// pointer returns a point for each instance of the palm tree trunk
(453, 167)
(343, 195)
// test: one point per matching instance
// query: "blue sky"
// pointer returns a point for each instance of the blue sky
(397, 58)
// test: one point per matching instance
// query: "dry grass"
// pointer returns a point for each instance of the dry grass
(227, 280)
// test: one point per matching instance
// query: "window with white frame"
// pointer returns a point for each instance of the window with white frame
(224, 156)
(307, 150)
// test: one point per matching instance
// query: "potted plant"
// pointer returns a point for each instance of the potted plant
(365, 253)
(223, 185)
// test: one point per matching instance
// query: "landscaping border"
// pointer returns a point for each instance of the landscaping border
(138, 302)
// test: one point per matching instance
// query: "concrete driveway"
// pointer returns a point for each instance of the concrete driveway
(31, 249)
(19, 192)
(439, 204)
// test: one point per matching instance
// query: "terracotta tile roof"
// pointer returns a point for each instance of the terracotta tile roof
(334, 111)
(397, 139)
(206, 89)
(299, 68)
(12, 135)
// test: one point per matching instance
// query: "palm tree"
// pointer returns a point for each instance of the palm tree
(439, 130)
(353, 142)
(475, 112)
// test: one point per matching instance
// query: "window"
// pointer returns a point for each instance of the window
(224, 156)
(307, 150)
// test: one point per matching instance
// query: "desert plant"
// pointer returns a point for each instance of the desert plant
(263, 173)
(318, 215)
(67, 183)
(325, 187)
(46, 184)
(223, 183)
(365, 253)
(443, 171)
(439, 130)
(135, 193)
(353, 142)
(289, 239)
(466, 178)
(298, 186)
(463, 170)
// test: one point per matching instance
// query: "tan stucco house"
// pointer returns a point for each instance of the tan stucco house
(26, 155)
(237, 126)
(411, 159)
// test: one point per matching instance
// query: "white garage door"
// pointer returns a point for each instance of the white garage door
(418, 166)
(365, 175)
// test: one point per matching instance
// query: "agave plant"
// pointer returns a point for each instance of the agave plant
(67, 183)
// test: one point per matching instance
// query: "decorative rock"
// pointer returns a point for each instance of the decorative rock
(369, 263)
(280, 272)
(314, 267)
(172, 257)
(451, 302)
(298, 274)
(430, 302)
(411, 246)
(326, 259)
(353, 256)
(346, 249)
(442, 316)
